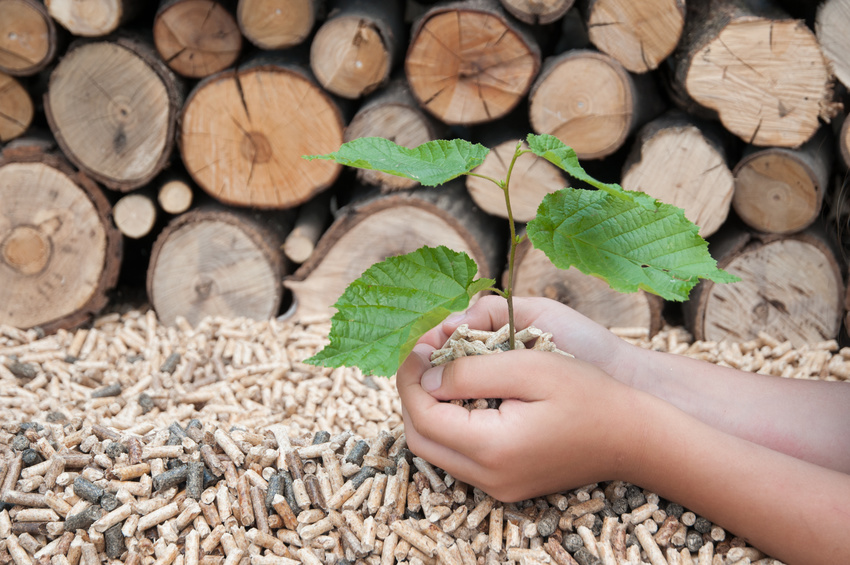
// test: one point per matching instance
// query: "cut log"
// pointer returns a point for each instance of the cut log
(214, 262)
(175, 194)
(196, 38)
(844, 141)
(781, 190)
(640, 35)
(683, 162)
(596, 114)
(392, 113)
(92, 18)
(355, 49)
(831, 25)
(309, 227)
(536, 276)
(16, 108)
(791, 288)
(764, 75)
(277, 24)
(538, 12)
(373, 229)
(134, 215)
(112, 106)
(244, 132)
(28, 40)
(59, 252)
(532, 177)
(468, 63)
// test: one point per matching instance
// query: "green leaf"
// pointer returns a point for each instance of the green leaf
(621, 240)
(381, 315)
(432, 163)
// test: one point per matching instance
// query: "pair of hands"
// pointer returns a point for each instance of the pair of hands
(563, 422)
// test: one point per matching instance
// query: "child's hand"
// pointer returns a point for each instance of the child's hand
(562, 423)
(573, 332)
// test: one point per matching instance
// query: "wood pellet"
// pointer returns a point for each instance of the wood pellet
(129, 441)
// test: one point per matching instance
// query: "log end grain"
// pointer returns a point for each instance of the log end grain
(134, 215)
(17, 108)
(538, 12)
(469, 66)
(276, 24)
(27, 37)
(831, 22)
(91, 18)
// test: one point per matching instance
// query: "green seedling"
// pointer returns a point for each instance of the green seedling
(629, 239)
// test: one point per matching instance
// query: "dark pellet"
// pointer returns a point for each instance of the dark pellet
(115, 449)
(572, 543)
(109, 390)
(289, 493)
(597, 526)
(114, 541)
(173, 464)
(702, 525)
(31, 426)
(693, 541)
(20, 442)
(620, 506)
(321, 437)
(56, 416)
(31, 528)
(209, 478)
(548, 523)
(87, 490)
(362, 475)
(607, 512)
(294, 464)
(275, 487)
(83, 520)
(171, 478)
(195, 430)
(311, 483)
(584, 557)
(31, 457)
(675, 510)
(635, 499)
(146, 402)
(108, 502)
(170, 363)
(104, 433)
(176, 430)
(23, 370)
(357, 452)
(195, 479)
(631, 540)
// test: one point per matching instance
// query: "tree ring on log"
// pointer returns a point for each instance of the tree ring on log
(593, 115)
(245, 147)
(17, 108)
(469, 66)
(54, 246)
(117, 129)
(27, 37)
(349, 57)
(276, 24)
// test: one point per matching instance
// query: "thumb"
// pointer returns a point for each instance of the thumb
(502, 375)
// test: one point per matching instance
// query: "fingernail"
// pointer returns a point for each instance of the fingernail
(456, 318)
(432, 379)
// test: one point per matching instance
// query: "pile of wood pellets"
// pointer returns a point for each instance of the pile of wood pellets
(134, 442)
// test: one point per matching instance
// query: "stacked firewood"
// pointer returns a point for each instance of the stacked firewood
(177, 131)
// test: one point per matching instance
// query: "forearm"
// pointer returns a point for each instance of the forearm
(802, 418)
(790, 509)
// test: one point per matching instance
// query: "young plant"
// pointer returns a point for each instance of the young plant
(626, 238)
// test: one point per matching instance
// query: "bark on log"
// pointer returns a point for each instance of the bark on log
(16, 108)
(373, 229)
(781, 190)
(683, 162)
(215, 262)
(175, 194)
(309, 226)
(532, 177)
(134, 215)
(356, 48)
(831, 25)
(392, 113)
(28, 40)
(640, 35)
(244, 146)
(536, 276)
(59, 253)
(844, 142)
(791, 288)
(764, 74)
(596, 114)
(112, 106)
(92, 18)
(538, 12)
(468, 63)
(277, 24)
(196, 38)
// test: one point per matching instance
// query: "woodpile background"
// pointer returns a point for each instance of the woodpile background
(160, 147)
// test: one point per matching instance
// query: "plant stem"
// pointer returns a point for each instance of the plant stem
(509, 287)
